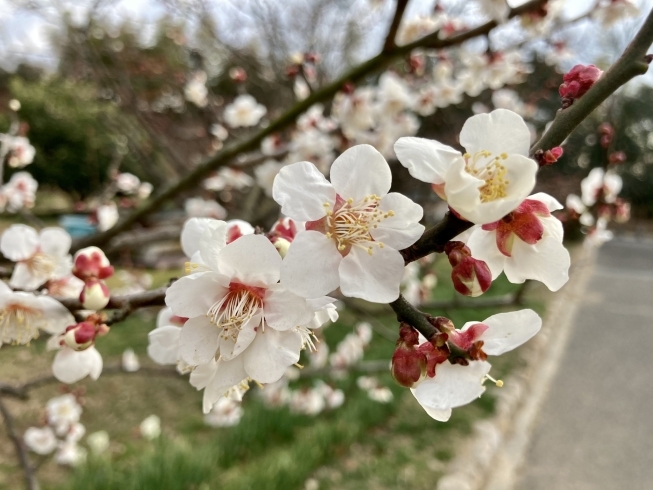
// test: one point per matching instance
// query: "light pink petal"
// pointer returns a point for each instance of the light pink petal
(193, 295)
(251, 260)
(375, 277)
(271, 353)
(198, 341)
(301, 190)
(310, 267)
(359, 172)
(19, 242)
(426, 160)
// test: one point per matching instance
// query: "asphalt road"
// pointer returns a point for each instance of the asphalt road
(595, 429)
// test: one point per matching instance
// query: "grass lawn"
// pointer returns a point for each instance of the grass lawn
(363, 444)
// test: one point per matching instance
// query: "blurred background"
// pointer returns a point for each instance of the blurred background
(121, 99)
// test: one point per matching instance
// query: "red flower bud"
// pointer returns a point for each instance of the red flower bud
(578, 81)
(238, 74)
(82, 336)
(548, 157)
(617, 157)
(90, 264)
(470, 276)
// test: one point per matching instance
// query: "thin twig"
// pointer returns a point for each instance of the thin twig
(19, 445)
(390, 38)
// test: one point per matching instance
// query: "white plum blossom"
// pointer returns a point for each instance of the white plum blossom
(487, 182)
(393, 94)
(244, 112)
(495, 9)
(70, 454)
(163, 347)
(107, 215)
(612, 11)
(599, 181)
(19, 192)
(127, 183)
(98, 441)
(380, 394)
(354, 228)
(228, 178)
(70, 366)
(355, 112)
(130, 362)
(265, 174)
(21, 152)
(241, 322)
(39, 256)
(226, 412)
(525, 244)
(22, 315)
(195, 89)
(40, 440)
(417, 27)
(150, 427)
(196, 207)
(63, 412)
(455, 385)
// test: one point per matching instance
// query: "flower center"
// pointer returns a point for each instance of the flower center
(18, 323)
(491, 170)
(41, 264)
(235, 309)
(349, 223)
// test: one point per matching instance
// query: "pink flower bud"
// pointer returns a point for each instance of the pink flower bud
(81, 336)
(549, 157)
(90, 263)
(95, 295)
(617, 157)
(408, 363)
(238, 74)
(471, 277)
(578, 81)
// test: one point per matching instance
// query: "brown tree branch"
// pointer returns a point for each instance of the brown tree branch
(390, 38)
(19, 445)
(225, 156)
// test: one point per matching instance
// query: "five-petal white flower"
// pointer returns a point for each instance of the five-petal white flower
(354, 228)
(487, 182)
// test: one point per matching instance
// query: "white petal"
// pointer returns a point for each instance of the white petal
(375, 277)
(198, 341)
(360, 171)
(22, 277)
(4, 289)
(55, 316)
(230, 349)
(191, 233)
(212, 242)
(453, 385)
(310, 267)
(55, 241)
(227, 374)
(19, 242)
(547, 261)
(163, 345)
(439, 415)
(70, 366)
(193, 295)
(270, 354)
(251, 260)
(426, 160)
(507, 331)
(553, 228)
(551, 202)
(301, 190)
(402, 229)
(284, 310)
(203, 374)
(501, 131)
(483, 245)
(165, 317)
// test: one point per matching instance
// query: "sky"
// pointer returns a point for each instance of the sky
(25, 35)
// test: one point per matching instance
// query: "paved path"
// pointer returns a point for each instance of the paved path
(595, 429)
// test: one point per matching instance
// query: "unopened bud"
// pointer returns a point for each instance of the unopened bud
(578, 81)
(81, 336)
(95, 295)
(238, 74)
(548, 157)
(617, 157)
(90, 263)
(470, 276)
